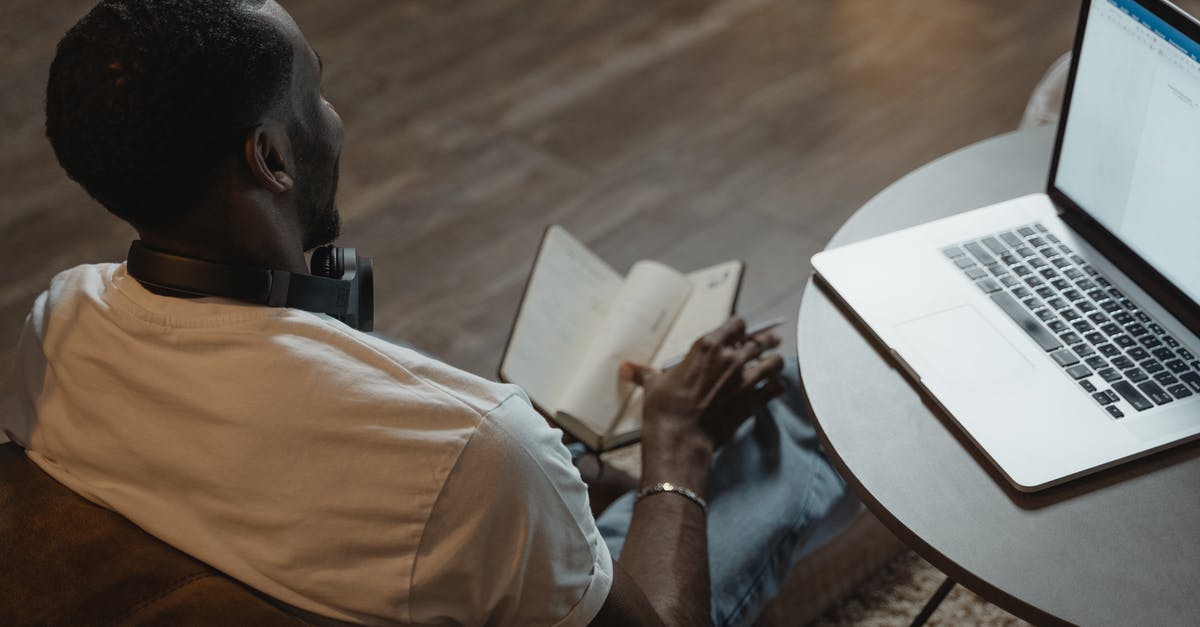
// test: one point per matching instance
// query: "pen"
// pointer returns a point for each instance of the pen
(766, 325)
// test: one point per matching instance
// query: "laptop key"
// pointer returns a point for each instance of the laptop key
(1102, 398)
(975, 273)
(1096, 362)
(988, 286)
(1011, 283)
(1058, 326)
(1124, 363)
(1155, 393)
(1079, 371)
(1065, 358)
(979, 253)
(1179, 391)
(1151, 366)
(1138, 354)
(1177, 366)
(1083, 350)
(1136, 375)
(1132, 395)
(1108, 350)
(1166, 378)
(1087, 385)
(1192, 380)
(1109, 374)
(1164, 353)
(1025, 231)
(1070, 338)
(1011, 239)
(1115, 411)
(994, 245)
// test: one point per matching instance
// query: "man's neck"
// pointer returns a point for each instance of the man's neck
(236, 234)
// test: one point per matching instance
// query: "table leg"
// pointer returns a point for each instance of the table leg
(934, 601)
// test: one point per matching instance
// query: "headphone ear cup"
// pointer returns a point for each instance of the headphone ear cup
(326, 262)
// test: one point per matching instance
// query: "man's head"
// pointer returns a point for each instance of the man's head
(168, 112)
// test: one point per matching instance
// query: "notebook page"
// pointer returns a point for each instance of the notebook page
(641, 317)
(568, 297)
(709, 305)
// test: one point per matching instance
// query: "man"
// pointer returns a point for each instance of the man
(352, 479)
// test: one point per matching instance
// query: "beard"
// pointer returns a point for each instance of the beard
(318, 210)
(316, 186)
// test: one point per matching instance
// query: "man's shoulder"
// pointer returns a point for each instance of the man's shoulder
(377, 355)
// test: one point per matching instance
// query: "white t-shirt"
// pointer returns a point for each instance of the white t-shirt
(325, 467)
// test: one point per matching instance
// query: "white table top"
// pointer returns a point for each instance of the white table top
(1118, 547)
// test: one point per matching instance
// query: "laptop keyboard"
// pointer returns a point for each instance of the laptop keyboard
(1113, 349)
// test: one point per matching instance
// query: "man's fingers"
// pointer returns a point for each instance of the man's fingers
(762, 370)
(634, 372)
(751, 400)
(755, 346)
(726, 334)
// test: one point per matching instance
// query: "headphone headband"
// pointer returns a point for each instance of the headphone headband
(349, 297)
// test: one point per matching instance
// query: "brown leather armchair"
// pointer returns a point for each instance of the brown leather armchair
(65, 561)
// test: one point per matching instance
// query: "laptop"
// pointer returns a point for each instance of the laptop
(1058, 330)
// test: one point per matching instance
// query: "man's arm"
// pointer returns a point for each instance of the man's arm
(662, 577)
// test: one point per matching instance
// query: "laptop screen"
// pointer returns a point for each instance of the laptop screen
(1130, 153)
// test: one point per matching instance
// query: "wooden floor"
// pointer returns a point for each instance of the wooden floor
(687, 131)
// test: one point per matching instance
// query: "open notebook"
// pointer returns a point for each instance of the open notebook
(579, 319)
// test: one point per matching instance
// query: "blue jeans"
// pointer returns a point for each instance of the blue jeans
(772, 499)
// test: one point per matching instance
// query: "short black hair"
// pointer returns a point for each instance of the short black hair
(146, 97)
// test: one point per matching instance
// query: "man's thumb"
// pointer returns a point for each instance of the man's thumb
(634, 372)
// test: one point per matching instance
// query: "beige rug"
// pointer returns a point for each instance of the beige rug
(896, 594)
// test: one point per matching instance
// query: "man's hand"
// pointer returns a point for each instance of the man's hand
(694, 408)
(689, 411)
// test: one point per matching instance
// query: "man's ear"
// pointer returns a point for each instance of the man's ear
(269, 157)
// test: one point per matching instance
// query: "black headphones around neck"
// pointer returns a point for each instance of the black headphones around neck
(342, 284)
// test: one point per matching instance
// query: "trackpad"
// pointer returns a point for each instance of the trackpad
(958, 349)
